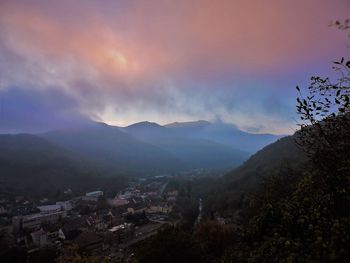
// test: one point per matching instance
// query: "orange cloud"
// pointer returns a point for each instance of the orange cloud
(168, 36)
(89, 43)
(143, 53)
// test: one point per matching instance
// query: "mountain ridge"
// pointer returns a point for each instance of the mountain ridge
(30, 163)
(147, 148)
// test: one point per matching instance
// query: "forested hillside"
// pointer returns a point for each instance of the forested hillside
(30, 164)
(232, 191)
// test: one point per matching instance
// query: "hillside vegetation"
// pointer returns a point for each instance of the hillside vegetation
(30, 164)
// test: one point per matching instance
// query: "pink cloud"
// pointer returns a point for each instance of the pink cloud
(140, 54)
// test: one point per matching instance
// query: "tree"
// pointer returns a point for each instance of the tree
(325, 116)
(70, 254)
(171, 244)
(325, 129)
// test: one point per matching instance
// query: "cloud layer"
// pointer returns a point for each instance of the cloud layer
(127, 61)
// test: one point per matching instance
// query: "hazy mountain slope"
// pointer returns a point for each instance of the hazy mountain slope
(202, 153)
(188, 124)
(147, 148)
(284, 153)
(30, 163)
(150, 132)
(198, 152)
(225, 134)
(116, 149)
(280, 158)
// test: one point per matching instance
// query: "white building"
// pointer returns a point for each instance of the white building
(34, 221)
(65, 205)
(94, 194)
(49, 208)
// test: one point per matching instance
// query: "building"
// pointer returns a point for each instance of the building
(49, 208)
(90, 199)
(94, 194)
(65, 205)
(68, 191)
(40, 238)
(121, 233)
(117, 202)
(34, 221)
(172, 195)
(163, 208)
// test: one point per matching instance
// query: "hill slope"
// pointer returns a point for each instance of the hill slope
(115, 149)
(224, 133)
(283, 156)
(195, 151)
(283, 153)
(32, 164)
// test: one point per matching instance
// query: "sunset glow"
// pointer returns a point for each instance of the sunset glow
(164, 61)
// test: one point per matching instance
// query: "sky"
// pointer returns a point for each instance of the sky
(124, 61)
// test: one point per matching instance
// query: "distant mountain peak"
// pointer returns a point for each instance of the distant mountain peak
(187, 124)
(144, 124)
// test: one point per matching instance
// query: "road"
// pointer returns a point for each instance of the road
(200, 208)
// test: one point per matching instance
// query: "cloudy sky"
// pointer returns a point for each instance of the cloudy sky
(124, 61)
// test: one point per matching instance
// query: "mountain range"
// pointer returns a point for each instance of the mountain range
(141, 149)
(149, 148)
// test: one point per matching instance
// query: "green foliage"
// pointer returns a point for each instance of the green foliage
(303, 224)
(214, 239)
(190, 190)
(232, 191)
(71, 254)
(171, 245)
(176, 244)
(342, 25)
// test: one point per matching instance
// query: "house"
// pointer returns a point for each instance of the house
(40, 238)
(111, 218)
(96, 221)
(117, 202)
(137, 205)
(159, 208)
(172, 195)
(119, 234)
(53, 232)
